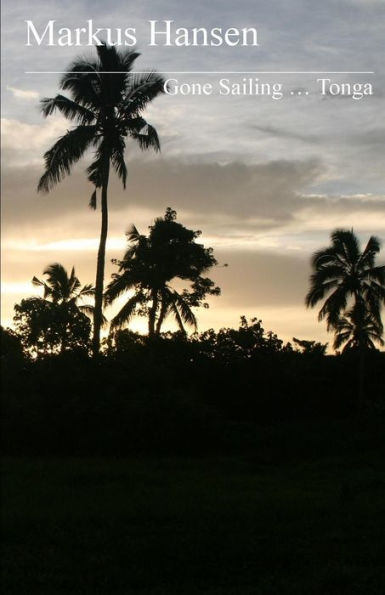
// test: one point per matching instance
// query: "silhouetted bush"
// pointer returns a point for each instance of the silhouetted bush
(213, 392)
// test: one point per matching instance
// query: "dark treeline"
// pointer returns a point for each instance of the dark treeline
(180, 393)
(211, 392)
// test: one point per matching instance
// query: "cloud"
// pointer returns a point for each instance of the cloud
(264, 195)
(231, 201)
(25, 143)
(275, 131)
(23, 93)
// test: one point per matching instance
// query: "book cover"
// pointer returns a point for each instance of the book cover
(193, 285)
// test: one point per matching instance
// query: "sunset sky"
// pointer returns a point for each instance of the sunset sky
(265, 180)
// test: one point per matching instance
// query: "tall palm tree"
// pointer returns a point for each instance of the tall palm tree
(343, 273)
(358, 329)
(106, 105)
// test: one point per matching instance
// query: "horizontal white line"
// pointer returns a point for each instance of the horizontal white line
(206, 72)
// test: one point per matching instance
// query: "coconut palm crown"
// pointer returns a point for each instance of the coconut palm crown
(106, 104)
(358, 329)
(342, 274)
(61, 288)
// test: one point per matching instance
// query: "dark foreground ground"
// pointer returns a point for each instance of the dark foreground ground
(236, 525)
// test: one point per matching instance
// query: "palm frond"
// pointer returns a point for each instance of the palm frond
(96, 171)
(84, 83)
(324, 257)
(127, 58)
(38, 283)
(132, 234)
(347, 245)
(147, 138)
(127, 311)
(319, 289)
(67, 150)
(89, 310)
(117, 159)
(70, 109)
(333, 306)
(371, 249)
(120, 284)
(58, 281)
(87, 290)
(186, 314)
(93, 199)
(141, 89)
(340, 339)
(375, 276)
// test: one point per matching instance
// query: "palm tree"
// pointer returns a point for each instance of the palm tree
(343, 273)
(61, 288)
(358, 329)
(65, 291)
(148, 268)
(106, 105)
(152, 295)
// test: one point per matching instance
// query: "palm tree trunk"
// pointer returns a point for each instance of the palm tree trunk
(161, 317)
(361, 377)
(63, 339)
(64, 317)
(98, 310)
(361, 355)
(152, 313)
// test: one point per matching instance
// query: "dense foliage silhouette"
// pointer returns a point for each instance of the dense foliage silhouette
(177, 394)
(171, 392)
(58, 321)
(61, 288)
(46, 327)
(149, 267)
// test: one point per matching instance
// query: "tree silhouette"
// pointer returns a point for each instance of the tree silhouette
(62, 288)
(358, 329)
(46, 327)
(11, 349)
(106, 104)
(65, 292)
(232, 345)
(149, 266)
(343, 273)
(310, 347)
